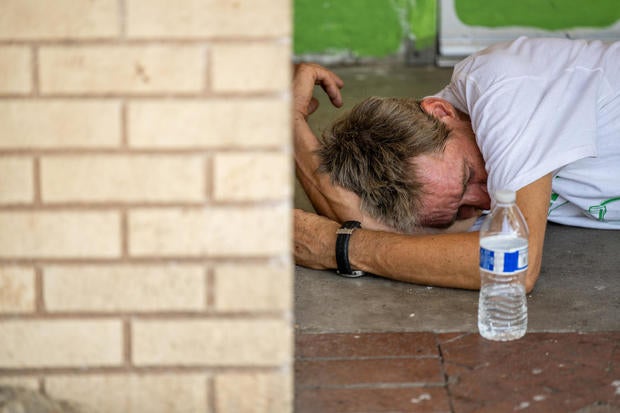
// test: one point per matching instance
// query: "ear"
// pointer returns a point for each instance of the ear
(439, 108)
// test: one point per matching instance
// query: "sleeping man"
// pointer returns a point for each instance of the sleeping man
(537, 116)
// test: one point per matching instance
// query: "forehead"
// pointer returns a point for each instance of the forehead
(444, 181)
(440, 176)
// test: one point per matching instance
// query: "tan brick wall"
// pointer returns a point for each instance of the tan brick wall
(145, 185)
(218, 123)
(39, 123)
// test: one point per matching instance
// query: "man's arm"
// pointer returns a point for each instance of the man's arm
(447, 260)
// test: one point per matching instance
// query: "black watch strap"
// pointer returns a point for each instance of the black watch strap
(342, 249)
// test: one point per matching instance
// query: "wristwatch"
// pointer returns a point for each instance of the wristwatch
(342, 250)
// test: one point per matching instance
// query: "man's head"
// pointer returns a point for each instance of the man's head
(368, 151)
(409, 161)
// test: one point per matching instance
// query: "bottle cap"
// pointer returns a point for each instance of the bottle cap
(504, 196)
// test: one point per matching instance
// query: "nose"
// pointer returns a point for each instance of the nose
(476, 195)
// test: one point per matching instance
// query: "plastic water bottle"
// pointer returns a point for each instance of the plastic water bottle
(502, 308)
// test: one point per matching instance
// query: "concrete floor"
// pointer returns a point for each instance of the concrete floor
(578, 290)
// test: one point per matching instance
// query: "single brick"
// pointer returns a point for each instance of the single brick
(254, 393)
(252, 176)
(208, 18)
(17, 290)
(121, 69)
(241, 123)
(211, 342)
(244, 287)
(165, 287)
(132, 393)
(16, 180)
(243, 68)
(59, 123)
(60, 19)
(217, 231)
(60, 343)
(15, 68)
(109, 178)
(59, 234)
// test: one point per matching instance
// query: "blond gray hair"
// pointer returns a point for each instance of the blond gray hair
(370, 151)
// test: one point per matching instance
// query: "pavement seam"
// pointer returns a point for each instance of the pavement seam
(446, 378)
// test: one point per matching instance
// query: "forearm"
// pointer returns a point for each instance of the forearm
(446, 260)
(306, 167)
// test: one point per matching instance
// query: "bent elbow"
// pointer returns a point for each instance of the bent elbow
(529, 286)
(530, 279)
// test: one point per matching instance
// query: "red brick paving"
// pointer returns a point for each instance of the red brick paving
(457, 373)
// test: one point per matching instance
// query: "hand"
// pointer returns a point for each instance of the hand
(315, 240)
(305, 77)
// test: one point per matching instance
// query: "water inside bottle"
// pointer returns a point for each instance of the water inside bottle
(502, 311)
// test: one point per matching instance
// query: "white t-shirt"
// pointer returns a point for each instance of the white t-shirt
(540, 106)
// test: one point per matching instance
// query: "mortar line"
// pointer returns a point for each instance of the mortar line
(170, 95)
(207, 369)
(157, 316)
(123, 125)
(140, 260)
(211, 402)
(127, 342)
(34, 59)
(39, 288)
(107, 205)
(209, 169)
(364, 386)
(124, 40)
(353, 358)
(210, 289)
(124, 233)
(135, 151)
(207, 56)
(122, 19)
(36, 181)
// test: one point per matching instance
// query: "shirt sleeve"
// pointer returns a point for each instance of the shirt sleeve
(527, 126)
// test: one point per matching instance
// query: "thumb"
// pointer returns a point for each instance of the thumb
(313, 106)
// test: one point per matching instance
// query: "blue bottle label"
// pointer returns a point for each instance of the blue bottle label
(503, 261)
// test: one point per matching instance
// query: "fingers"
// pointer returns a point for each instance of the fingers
(334, 95)
(331, 84)
(307, 75)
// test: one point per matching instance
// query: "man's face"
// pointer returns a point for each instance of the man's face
(454, 183)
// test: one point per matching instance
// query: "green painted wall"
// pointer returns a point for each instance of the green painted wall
(374, 28)
(541, 14)
(381, 28)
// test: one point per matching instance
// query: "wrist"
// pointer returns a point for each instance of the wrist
(342, 250)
